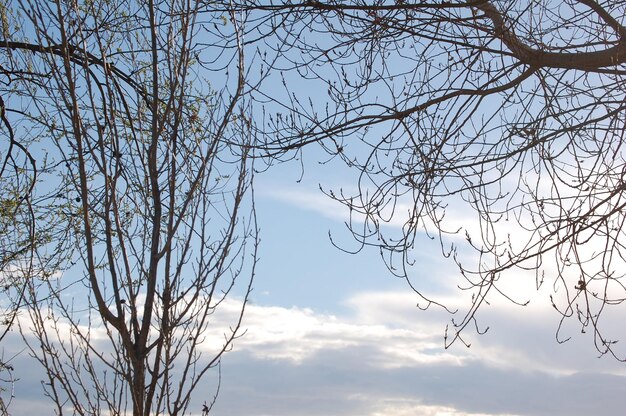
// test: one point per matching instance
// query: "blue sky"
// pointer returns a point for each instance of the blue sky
(328, 333)
(334, 334)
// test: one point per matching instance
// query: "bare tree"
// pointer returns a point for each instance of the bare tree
(18, 239)
(17, 245)
(126, 109)
(511, 110)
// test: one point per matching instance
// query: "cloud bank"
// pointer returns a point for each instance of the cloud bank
(387, 358)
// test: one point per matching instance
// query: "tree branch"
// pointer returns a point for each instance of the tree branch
(587, 61)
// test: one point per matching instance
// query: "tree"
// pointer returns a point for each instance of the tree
(512, 110)
(126, 108)
(17, 242)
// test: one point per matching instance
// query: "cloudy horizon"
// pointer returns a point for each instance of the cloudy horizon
(327, 333)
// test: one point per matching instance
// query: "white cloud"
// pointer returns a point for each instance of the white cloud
(517, 284)
(408, 407)
(385, 357)
(310, 200)
(520, 339)
(297, 334)
(457, 217)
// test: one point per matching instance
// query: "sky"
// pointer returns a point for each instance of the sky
(329, 333)
(333, 333)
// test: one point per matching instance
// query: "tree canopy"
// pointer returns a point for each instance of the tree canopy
(118, 154)
(133, 130)
(510, 110)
